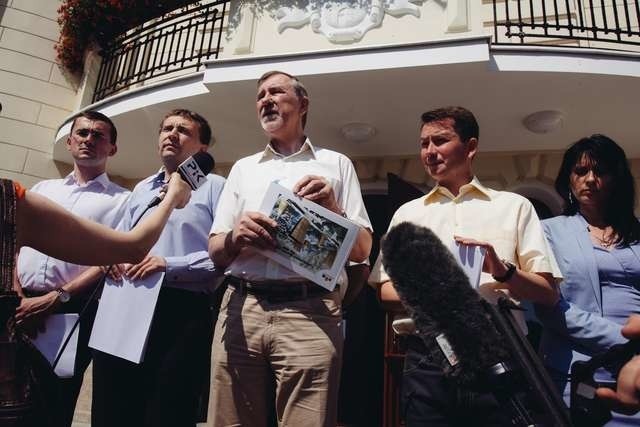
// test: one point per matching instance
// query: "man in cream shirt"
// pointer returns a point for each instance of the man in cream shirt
(517, 261)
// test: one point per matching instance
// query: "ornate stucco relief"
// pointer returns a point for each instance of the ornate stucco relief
(344, 21)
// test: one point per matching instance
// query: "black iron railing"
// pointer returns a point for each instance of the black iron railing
(176, 41)
(610, 23)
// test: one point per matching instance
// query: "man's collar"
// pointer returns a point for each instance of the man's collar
(270, 152)
(474, 184)
(101, 179)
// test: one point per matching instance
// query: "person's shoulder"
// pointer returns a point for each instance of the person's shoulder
(248, 161)
(252, 158)
(557, 221)
(46, 183)
(410, 206)
(507, 195)
(215, 180)
(328, 153)
(117, 189)
(144, 183)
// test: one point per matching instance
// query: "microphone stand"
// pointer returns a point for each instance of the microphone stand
(100, 284)
(525, 388)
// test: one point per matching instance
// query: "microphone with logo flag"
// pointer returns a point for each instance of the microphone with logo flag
(193, 171)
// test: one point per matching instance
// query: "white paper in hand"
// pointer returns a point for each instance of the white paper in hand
(49, 342)
(470, 258)
(124, 317)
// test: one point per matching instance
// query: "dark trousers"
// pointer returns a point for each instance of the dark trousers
(166, 389)
(431, 399)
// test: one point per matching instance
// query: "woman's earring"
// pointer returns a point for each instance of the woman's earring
(570, 198)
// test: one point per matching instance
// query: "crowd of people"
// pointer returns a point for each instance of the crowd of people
(274, 338)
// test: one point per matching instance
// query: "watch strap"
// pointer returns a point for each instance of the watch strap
(511, 269)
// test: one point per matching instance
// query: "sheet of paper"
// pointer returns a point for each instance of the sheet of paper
(311, 240)
(470, 259)
(124, 317)
(49, 342)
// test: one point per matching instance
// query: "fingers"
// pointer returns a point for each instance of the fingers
(616, 402)
(317, 189)
(632, 328)
(151, 264)
(178, 191)
(471, 242)
(626, 398)
(255, 229)
(116, 272)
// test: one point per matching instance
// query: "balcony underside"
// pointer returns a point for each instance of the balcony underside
(388, 88)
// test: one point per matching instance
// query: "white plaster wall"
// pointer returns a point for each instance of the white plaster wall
(34, 93)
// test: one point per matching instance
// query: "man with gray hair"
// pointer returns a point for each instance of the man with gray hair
(277, 333)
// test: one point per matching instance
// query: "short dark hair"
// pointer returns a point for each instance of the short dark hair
(603, 152)
(96, 116)
(298, 87)
(203, 124)
(464, 122)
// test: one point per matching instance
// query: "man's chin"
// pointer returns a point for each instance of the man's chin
(271, 126)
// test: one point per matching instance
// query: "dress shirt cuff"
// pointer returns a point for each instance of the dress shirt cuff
(187, 269)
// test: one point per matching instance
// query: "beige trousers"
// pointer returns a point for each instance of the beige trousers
(285, 355)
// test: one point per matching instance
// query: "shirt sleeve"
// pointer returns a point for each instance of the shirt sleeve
(230, 204)
(196, 266)
(350, 198)
(533, 252)
(193, 267)
(588, 331)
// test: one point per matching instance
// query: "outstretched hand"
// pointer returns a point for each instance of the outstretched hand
(625, 399)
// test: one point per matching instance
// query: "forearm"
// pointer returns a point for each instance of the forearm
(46, 227)
(389, 298)
(535, 287)
(17, 286)
(84, 282)
(362, 246)
(589, 331)
(222, 250)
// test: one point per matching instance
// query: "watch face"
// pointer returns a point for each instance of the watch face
(63, 295)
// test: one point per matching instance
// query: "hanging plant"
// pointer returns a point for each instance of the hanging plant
(83, 22)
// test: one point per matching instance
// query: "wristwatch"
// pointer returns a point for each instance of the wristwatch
(63, 295)
(511, 268)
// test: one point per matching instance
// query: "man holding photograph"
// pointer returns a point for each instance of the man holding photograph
(284, 338)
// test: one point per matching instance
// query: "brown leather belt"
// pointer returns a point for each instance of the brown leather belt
(275, 290)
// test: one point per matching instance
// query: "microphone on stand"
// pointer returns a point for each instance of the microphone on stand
(482, 345)
(193, 171)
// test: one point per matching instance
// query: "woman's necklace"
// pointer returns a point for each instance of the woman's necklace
(606, 239)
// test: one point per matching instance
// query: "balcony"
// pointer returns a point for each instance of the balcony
(378, 66)
(185, 40)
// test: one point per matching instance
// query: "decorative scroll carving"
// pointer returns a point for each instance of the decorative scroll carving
(344, 21)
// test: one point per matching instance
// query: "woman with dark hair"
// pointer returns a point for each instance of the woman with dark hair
(597, 245)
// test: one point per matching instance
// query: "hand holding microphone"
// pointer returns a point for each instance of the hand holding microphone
(176, 192)
(193, 172)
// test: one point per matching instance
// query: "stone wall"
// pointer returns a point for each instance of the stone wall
(35, 94)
